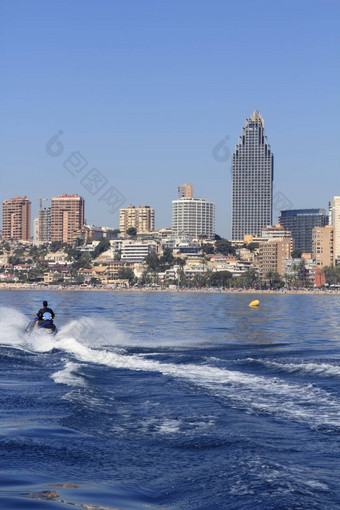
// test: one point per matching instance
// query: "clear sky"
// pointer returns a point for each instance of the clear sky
(144, 90)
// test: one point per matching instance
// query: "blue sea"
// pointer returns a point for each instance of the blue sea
(170, 401)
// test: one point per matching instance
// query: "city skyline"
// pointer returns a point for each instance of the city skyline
(147, 215)
(167, 109)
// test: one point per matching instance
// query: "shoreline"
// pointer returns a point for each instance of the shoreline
(318, 292)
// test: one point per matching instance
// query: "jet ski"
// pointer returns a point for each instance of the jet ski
(47, 326)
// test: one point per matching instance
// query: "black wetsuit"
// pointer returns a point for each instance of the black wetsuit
(42, 318)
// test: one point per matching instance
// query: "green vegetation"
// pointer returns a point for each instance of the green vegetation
(296, 253)
(103, 245)
(332, 275)
(126, 273)
(224, 247)
(274, 280)
(132, 232)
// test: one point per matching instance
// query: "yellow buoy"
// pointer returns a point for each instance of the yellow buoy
(256, 302)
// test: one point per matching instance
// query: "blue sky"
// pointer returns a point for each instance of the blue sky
(144, 91)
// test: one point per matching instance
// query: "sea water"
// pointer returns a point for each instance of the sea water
(170, 401)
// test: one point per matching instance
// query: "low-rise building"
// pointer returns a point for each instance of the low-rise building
(132, 251)
(235, 266)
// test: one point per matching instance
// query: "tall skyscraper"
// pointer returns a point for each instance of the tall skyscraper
(45, 224)
(67, 217)
(16, 219)
(252, 180)
(334, 219)
(141, 218)
(193, 217)
(185, 191)
(301, 223)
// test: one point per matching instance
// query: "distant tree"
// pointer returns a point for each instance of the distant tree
(132, 232)
(208, 249)
(296, 253)
(179, 261)
(220, 278)
(274, 280)
(20, 251)
(83, 262)
(224, 247)
(36, 273)
(126, 273)
(56, 246)
(103, 245)
(298, 274)
(332, 274)
(249, 278)
(95, 281)
(152, 261)
(200, 280)
(217, 237)
(72, 253)
(13, 260)
(252, 246)
(167, 259)
(79, 241)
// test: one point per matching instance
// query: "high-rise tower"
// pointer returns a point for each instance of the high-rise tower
(252, 180)
(16, 219)
(67, 217)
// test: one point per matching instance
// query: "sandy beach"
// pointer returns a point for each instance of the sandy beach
(181, 290)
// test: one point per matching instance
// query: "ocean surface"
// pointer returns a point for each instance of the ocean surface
(170, 401)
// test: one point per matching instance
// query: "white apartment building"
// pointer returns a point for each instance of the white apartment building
(132, 251)
(193, 217)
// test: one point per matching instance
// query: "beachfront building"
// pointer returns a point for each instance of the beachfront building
(141, 218)
(272, 254)
(252, 181)
(16, 219)
(301, 223)
(67, 217)
(334, 220)
(323, 245)
(193, 218)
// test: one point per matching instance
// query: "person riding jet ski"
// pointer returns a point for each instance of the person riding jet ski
(45, 316)
(43, 320)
